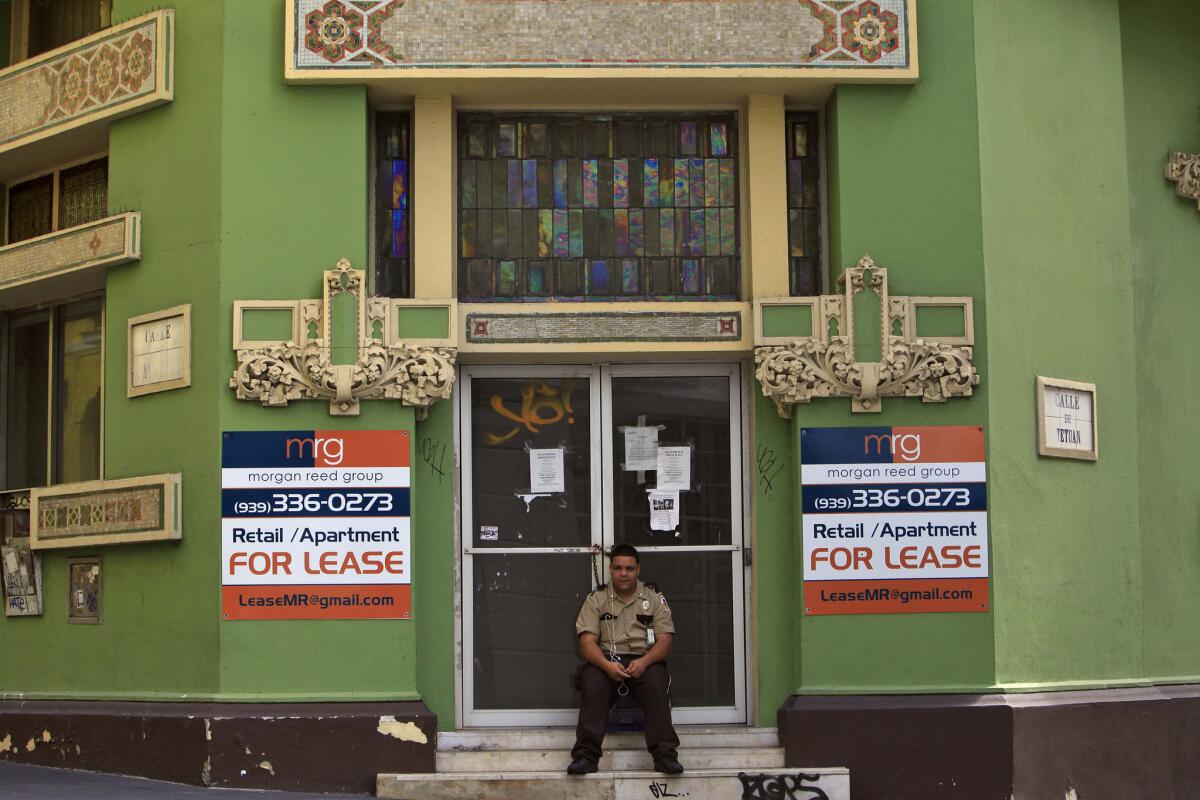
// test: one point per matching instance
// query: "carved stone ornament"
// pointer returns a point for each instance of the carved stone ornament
(1184, 170)
(823, 365)
(275, 373)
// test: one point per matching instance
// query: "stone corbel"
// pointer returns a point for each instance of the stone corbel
(822, 364)
(1184, 170)
(275, 373)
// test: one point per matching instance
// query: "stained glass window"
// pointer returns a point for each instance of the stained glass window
(598, 207)
(805, 247)
(393, 207)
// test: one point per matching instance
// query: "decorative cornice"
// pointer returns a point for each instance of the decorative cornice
(823, 365)
(276, 373)
(1184, 170)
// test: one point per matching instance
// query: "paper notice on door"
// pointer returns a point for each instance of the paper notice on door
(674, 469)
(641, 449)
(664, 510)
(546, 473)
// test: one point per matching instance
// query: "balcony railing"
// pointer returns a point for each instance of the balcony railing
(78, 255)
(119, 71)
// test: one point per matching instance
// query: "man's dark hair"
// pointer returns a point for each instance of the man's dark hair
(625, 550)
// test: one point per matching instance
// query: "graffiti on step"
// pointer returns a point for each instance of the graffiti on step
(778, 787)
(661, 790)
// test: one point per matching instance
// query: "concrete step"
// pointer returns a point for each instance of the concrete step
(563, 738)
(512, 761)
(712, 784)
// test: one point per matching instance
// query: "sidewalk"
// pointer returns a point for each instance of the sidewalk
(23, 782)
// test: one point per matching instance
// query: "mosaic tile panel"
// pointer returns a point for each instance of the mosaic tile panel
(115, 240)
(103, 71)
(604, 327)
(473, 33)
(105, 512)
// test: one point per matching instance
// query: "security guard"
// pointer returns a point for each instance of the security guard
(625, 632)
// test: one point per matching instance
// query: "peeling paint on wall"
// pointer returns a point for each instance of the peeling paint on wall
(208, 729)
(404, 731)
(267, 766)
(30, 746)
(45, 736)
(6, 743)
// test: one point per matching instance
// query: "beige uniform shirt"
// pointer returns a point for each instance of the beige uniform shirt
(620, 626)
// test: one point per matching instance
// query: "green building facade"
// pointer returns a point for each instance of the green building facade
(1013, 165)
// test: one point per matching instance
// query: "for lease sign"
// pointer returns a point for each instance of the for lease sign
(895, 520)
(315, 525)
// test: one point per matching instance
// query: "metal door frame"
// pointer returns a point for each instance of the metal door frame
(602, 473)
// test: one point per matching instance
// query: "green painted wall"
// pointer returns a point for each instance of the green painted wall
(159, 633)
(293, 198)
(775, 542)
(1065, 551)
(434, 590)
(904, 188)
(1162, 112)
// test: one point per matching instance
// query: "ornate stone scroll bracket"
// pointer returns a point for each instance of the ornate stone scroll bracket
(415, 371)
(1184, 170)
(795, 367)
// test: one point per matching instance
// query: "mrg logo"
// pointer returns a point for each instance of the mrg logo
(326, 450)
(905, 445)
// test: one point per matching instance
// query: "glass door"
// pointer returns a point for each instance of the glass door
(556, 460)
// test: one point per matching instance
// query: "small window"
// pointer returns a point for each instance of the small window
(42, 25)
(805, 241)
(598, 207)
(62, 199)
(393, 207)
(52, 394)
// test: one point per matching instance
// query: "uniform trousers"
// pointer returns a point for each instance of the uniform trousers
(600, 692)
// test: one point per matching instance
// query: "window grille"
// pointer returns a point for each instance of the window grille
(79, 193)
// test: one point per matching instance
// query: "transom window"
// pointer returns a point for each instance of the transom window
(598, 207)
(805, 247)
(61, 199)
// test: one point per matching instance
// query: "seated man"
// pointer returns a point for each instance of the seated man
(625, 633)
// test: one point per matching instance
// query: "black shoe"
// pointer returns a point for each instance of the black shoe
(668, 765)
(582, 766)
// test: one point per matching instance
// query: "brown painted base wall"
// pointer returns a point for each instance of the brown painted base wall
(316, 747)
(1122, 743)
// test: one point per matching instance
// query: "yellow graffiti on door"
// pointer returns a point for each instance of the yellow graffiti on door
(541, 405)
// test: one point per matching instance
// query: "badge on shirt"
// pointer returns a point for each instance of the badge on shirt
(645, 605)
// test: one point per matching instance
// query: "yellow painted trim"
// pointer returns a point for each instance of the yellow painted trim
(766, 258)
(395, 306)
(585, 351)
(434, 214)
